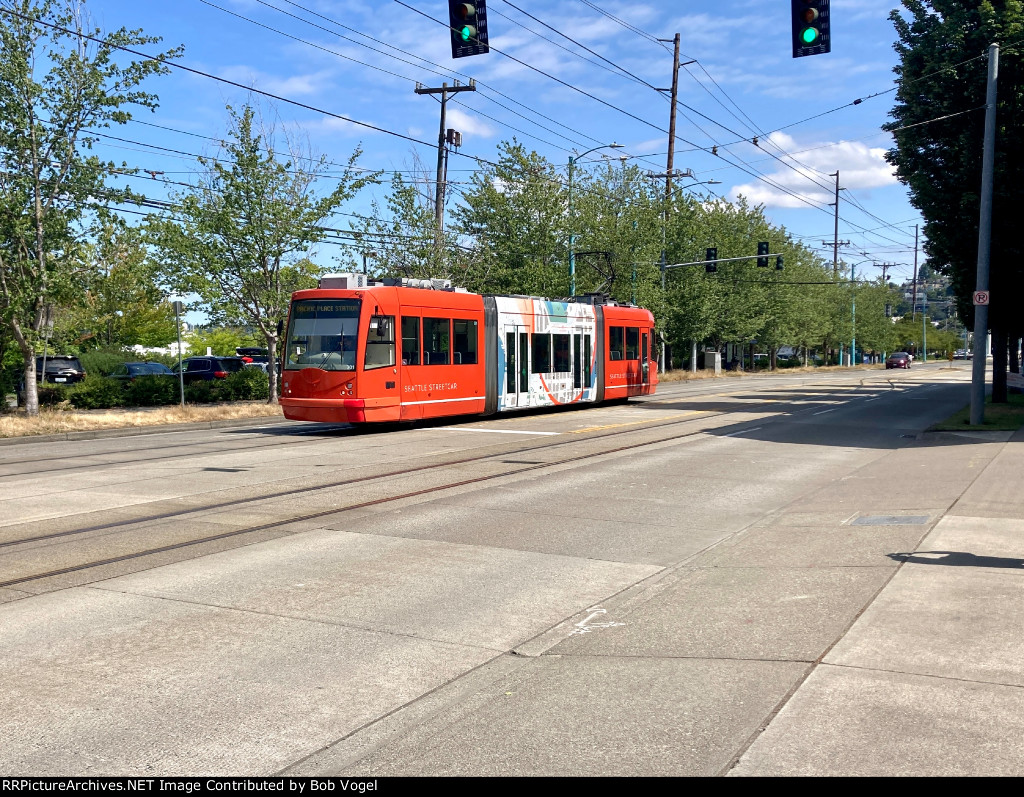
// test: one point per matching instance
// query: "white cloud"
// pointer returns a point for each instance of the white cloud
(468, 125)
(860, 168)
(295, 85)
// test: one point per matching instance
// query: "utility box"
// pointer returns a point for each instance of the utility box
(713, 361)
(346, 281)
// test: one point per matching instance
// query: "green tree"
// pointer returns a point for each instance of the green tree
(55, 84)
(122, 305)
(406, 232)
(513, 212)
(221, 341)
(239, 239)
(938, 124)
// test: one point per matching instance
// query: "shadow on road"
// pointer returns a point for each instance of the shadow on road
(956, 559)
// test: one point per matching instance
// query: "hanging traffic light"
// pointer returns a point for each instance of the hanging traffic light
(468, 23)
(778, 263)
(762, 254)
(711, 256)
(810, 27)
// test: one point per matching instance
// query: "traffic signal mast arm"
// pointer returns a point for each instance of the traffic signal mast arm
(719, 260)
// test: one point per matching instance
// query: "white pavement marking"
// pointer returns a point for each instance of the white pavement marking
(585, 626)
(490, 431)
(743, 431)
(822, 412)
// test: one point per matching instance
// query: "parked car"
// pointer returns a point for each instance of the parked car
(60, 368)
(208, 368)
(259, 364)
(899, 359)
(129, 372)
(253, 354)
(963, 354)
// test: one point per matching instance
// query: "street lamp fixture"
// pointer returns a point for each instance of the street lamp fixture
(572, 236)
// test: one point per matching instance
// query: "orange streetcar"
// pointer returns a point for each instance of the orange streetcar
(403, 350)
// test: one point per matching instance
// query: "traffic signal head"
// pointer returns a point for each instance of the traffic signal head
(762, 254)
(711, 255)
(468, 23)
(778, 263)
(810, 19)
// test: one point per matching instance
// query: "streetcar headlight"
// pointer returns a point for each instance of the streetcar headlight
(349, 385)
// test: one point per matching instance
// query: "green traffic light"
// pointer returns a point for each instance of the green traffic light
(467, 33)
(809, 35)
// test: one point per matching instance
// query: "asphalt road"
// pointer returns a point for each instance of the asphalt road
(633, 589)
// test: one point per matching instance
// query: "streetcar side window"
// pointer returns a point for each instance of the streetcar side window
(541, 354)
(464, 340)
(524, 376)
(586, 361)
(616, 342)
(410, 340)
(510, 362)
(436, 340)
(380, 343)
(561, 345)
(632, 343)
(577, 370)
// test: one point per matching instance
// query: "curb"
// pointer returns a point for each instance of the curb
(133, 431)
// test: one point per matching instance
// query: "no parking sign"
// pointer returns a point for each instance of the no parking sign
(980, 297)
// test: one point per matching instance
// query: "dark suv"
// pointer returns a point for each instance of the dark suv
(60, 368)
(208, 368)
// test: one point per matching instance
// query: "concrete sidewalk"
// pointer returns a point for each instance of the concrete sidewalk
(928, 680)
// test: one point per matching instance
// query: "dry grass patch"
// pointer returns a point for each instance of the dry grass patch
(59, 421)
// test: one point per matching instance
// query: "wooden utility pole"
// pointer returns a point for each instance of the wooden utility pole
(672, 123)
(444, 91)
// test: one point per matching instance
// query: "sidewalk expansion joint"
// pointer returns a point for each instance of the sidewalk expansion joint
(310, 620)
(922, 675)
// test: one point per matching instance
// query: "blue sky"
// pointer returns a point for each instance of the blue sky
(743, 82)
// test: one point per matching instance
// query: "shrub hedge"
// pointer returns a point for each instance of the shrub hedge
(97, 393)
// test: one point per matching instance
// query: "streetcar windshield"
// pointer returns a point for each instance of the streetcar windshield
(322, 333)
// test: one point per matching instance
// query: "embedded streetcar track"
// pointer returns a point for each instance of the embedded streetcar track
(118, 463)
(668, 391)
(126, 523)
(342, 509)
(293, 491)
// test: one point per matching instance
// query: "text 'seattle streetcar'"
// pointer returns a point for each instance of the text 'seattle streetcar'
(405, 350)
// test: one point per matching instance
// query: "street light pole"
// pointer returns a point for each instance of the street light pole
(572, 236)
(179, 308)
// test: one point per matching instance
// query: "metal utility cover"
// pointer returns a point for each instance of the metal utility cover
(890, 520)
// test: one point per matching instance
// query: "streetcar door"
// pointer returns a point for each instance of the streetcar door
(517, 367)
(645, 358)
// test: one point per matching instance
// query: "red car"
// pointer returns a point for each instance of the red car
(899, 359)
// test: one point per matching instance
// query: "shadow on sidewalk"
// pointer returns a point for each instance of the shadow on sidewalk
(955, 559)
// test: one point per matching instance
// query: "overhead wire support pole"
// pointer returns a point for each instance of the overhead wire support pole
(835, 235)
(984, 241)
(913, 285)
(444, 91)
